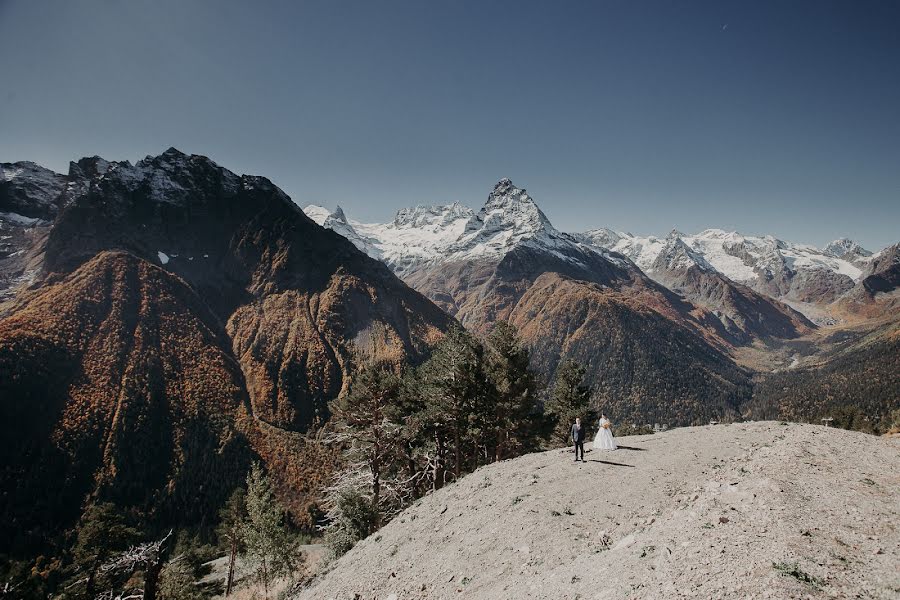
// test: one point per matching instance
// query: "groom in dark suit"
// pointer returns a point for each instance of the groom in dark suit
(578, 435)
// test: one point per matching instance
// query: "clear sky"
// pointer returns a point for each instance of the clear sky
(766, 117)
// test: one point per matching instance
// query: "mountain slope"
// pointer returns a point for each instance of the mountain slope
(179, 321)
(746, 314)
(116, 387)
(750, 510)
(768, 265)
(294, 297)
(645, 367)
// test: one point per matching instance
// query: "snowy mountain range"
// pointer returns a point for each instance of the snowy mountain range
(453, 233)
(797, 273)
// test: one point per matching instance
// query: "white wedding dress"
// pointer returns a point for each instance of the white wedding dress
(604, 438)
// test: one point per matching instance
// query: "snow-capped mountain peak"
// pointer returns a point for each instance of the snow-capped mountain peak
(510, 218)
(454, 232)
(785, 270)
(510, 207)
(676, 255)
(845, 248)
(601, 237)
(338, 214)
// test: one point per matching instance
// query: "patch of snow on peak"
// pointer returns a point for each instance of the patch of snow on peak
(17, 218)
(317, 213)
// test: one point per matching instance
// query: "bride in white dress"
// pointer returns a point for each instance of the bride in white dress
(604, 438)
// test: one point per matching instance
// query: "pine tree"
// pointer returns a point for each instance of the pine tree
(569, 399)
(457, 400)
(516, 415)
(177, 581)
(267, 540)
(101, 532)
(231, 530)
(363, 421)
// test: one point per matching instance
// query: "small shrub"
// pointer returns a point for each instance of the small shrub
(354, 519)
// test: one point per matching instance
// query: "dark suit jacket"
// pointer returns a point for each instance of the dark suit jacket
(578, 435)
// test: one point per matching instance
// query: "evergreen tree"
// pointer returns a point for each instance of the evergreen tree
(516, 414)
(177, 582)
(268, 544)
(457, 402)
(363, 421)
(101, 533)
(350, 518)
(231, 531)
(569, 399)
(414, 439)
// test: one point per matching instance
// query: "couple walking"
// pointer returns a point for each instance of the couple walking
(602, 441)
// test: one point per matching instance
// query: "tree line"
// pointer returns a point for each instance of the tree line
(406, 431)
(112, 558)
(402, 431)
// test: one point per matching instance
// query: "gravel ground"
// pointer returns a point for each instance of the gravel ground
(752, 510)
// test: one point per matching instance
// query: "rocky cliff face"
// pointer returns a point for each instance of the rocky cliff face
(876, 293)
(30, 196)
(746, 314)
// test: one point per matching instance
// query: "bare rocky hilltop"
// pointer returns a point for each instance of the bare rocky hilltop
(751, 510)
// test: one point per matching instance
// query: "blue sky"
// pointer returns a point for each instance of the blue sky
(766, 117)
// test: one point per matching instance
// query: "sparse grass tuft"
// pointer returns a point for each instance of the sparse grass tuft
(793, 569)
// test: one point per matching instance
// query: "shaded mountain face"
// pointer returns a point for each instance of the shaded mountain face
(177, 321)
(883, 273)
(876, 293)
(117, 385)
(292, 296)
(29, 200)
(508, 263)
(30, 190)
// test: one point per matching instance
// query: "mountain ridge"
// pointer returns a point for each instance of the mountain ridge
(141, 271)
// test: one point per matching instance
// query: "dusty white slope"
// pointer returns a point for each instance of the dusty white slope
(699, 512)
